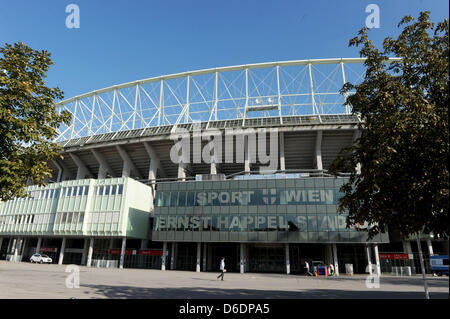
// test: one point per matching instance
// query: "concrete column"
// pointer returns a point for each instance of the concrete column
(25, 242)
(429, 245)
(247, 158)
(102, 171)
(282, 158)
(38, 246)
(377, 259)
(329, 254)
(122, 252)
(104, 167)
(215, 160)
(172, 258)
(199, 252)
(335, 260)
(90, 250)
(17, 248)
(242, 258)
(181, 172)
(407, 247)
(126, 169)
(369, 259)
(163, 258)
(111, 243)
(204, 255)
(318, 151)
(288, 262)
(128, 165)
(82, 170)
(61, 252)
(84, 255)
(11, 245)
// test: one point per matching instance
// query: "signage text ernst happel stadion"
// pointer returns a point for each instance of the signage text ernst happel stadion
(256, 197)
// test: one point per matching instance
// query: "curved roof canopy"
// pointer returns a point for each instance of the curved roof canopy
(273, 89)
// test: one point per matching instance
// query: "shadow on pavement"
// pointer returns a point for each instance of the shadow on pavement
(128, 292)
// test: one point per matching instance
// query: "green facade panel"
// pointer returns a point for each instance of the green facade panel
(85, 207)
(266, 210)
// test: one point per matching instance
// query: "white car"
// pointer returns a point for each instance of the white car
(38, 258)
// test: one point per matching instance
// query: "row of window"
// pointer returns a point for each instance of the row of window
(44, 194)
(271, 196)
(109, 190)
(69, 218)
(104, 217)
(74, 191)
(60, 218)
(25, 219)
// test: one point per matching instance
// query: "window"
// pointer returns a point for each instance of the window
(101, 218)
(312, 223)
(81, 218)
(56, 194)
(445, 262)
(107, 188)
(94, 218)
(173, 199)
(108, 217)
(190, 200)
(182, 199)
(80, 191)
(74, 218)
(120, 190)
(166, 198)
(159, 199)
(100, 190)
(86, 190)
(113, 189)
(115, 217)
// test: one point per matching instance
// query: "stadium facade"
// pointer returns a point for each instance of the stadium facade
(172, 173)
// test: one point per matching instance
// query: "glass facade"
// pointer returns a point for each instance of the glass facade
(267, 210)
(84, 207)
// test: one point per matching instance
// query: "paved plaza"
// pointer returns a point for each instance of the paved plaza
(25, 280)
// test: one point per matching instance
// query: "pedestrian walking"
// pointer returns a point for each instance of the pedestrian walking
(222, 268)
(331, 268)
(308, 273)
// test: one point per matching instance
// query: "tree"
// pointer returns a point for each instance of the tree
(28, 119)
(403, 150)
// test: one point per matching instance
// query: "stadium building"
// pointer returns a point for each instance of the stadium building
(177, 171)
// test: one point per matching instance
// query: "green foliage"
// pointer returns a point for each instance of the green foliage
(403, 149)
(28, 119)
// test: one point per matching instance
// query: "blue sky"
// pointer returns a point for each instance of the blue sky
(121, 41)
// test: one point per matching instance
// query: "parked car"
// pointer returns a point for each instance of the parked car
(39, 258)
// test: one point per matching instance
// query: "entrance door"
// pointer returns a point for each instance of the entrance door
(228, 250)
(264, 258)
